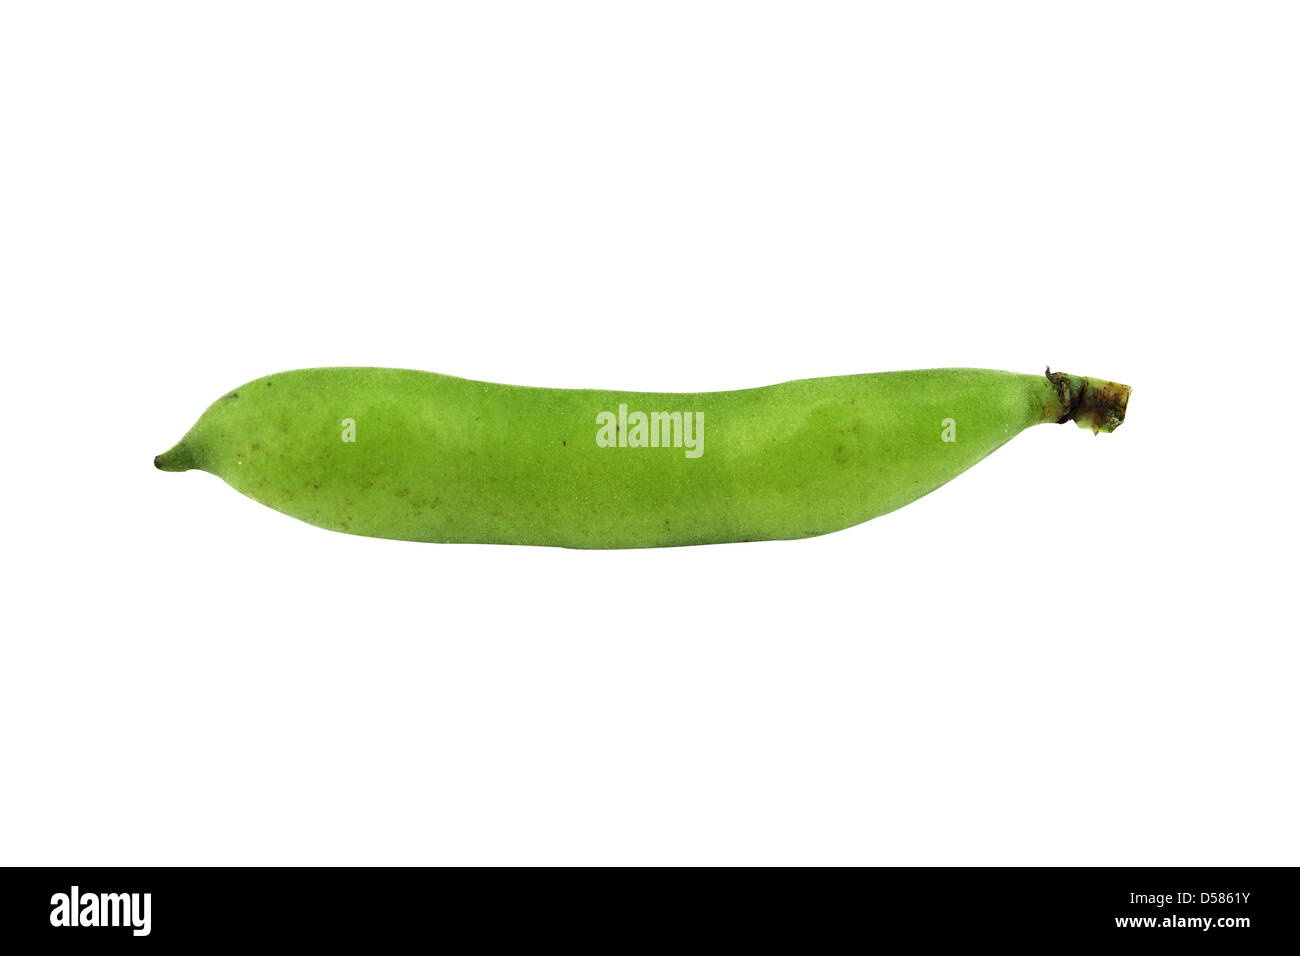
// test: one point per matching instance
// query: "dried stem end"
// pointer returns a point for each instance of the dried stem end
(1091, 402)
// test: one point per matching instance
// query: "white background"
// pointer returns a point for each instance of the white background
(1081, 652)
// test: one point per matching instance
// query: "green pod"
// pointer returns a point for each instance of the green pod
(420, 456)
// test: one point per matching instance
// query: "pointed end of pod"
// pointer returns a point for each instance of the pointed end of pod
(1090, 402)
(177, 459)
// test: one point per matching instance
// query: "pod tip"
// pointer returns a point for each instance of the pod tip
(177, 459)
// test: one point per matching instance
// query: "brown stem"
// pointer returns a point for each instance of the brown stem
(1091, 402)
